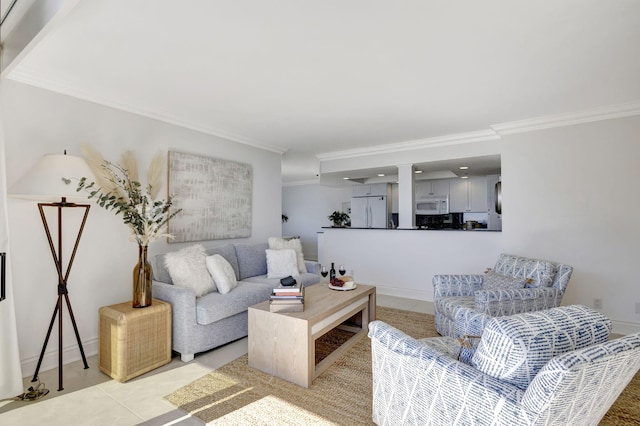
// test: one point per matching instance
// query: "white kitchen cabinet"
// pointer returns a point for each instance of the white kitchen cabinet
(374, 189)
(432, 188)
(469, 195)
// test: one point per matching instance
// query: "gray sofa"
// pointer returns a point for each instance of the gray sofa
(203, 323)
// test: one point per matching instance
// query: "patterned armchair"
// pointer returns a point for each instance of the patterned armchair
(463, 304)
(554, 367)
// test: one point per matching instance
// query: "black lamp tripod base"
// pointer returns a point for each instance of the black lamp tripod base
(62, 285)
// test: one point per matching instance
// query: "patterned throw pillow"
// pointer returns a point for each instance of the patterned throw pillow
(187, 268)
(495, 281)
(514, 348)
(541, 272)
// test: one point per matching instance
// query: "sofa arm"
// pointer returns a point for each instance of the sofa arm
(415, 384)
(456, 285)
(183, 306)
(312, 267)
(516, 301)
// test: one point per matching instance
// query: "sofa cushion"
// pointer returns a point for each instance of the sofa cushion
(514, 348)
(252, 259)
(448, 306)
(188, 269)
(541, 272)
(281, 263)
(223, 274)
(295, 244)
(216, 306)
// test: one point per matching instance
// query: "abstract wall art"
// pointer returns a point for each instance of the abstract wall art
(214, 195)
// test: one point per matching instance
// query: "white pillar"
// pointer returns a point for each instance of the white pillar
(406, 206)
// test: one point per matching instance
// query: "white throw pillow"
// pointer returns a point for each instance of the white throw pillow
(188, 269)
(222, 272)
(277, 243)
(281, 263)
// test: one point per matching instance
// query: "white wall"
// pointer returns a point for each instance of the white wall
(570, 194)
(39, 122)
(307, 207)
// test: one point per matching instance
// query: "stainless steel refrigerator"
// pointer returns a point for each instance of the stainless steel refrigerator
(370, 212)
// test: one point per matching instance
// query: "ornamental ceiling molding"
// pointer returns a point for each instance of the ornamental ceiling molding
(608, 112)
(68, 90)
(496, 131)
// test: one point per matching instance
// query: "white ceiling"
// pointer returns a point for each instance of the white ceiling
(313, 77)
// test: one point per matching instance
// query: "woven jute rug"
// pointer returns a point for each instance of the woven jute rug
(240, 395)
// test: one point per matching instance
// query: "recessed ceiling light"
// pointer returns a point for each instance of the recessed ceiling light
(380, 174)
(464, 177)
(418, 172)
(464, 167)
(345, 178)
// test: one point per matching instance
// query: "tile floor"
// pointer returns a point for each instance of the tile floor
(92, 398)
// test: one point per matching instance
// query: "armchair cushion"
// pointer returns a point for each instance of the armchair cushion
(514, 348)
(450, 305)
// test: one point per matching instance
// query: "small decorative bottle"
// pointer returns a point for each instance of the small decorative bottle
(332, 273)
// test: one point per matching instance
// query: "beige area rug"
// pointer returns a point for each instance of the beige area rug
(240, 395)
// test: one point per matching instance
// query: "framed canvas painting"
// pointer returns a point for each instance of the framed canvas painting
(214, 195)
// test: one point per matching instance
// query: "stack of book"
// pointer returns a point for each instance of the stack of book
(287, 299)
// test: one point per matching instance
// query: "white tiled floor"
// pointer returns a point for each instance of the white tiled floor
(92, 398)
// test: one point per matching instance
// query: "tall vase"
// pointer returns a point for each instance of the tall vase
(142, 280)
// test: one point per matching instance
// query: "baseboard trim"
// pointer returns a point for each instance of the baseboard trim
(70, 354)
(624, 327)
(406, 293)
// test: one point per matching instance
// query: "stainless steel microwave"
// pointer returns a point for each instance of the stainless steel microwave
(432, 205)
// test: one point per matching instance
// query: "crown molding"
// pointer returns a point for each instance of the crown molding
(29, 79)
(460, 138)
(302, 182)
(568, 119)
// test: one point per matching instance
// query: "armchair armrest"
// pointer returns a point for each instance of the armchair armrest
(414, 383)
(456, 285)
(517, 301)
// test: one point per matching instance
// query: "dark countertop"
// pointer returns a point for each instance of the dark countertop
(415, 229)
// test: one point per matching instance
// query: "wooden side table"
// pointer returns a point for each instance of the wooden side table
(133, 341)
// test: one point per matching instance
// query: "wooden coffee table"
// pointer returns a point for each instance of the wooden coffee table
(283, 344)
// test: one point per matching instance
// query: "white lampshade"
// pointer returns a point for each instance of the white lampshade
(44, 181)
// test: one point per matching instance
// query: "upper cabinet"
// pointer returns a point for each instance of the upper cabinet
(469, 195)
(431, 188)
(375, 189)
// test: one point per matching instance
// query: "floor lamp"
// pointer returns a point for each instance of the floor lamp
(44, 183)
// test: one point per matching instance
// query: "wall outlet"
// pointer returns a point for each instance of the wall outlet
(597, 303)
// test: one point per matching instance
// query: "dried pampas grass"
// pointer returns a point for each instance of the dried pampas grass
(155, 173)
(105, 176)
(129, 163)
